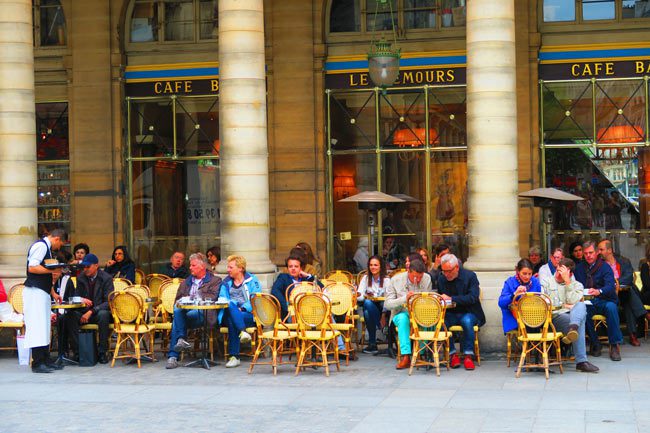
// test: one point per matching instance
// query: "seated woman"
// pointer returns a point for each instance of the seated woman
(425, 258)
(312, 264)
(120, 265)
(214, 255)
(523, 281)
(372, 285)
(295, 263)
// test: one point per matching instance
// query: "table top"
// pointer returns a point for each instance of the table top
(376, 298)
(202, 307)
(68, 306)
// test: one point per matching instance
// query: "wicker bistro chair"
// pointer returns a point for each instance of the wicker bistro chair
(272, 333)
(292, 292)
(534, 311)
(428, 331)
(128, 316)
(15, 299)
(360, 276)
(140, 276)
(343, 304)
(339, 276)
(154, 281)
(315, 331)
(121, 283)
(164, 313)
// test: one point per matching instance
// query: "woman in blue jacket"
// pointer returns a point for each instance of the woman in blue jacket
(523, 281)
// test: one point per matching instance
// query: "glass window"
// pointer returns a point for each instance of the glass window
(636, 9)
(345, 16)
(378, 15)
(620, 111)
(352, 120)
(51, 23)
(179, 20)
(598, 10)
(197, 126)
(567, 114)
(402, 121)
(52, 131)
(420, 14)
(144, 21)
(209, 12)
(152, 128)
(559, 10)
(448, 116)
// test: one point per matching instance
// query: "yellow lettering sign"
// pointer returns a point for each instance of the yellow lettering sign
(157, 87)
(214, 85)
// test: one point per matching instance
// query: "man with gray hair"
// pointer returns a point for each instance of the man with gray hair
(200, 285)
(460, 286)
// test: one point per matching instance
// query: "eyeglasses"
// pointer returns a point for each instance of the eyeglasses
(448, 271)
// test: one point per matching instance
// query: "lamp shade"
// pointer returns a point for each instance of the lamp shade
(344, 182)
(620, 134)
(383, 64)
(415, 137)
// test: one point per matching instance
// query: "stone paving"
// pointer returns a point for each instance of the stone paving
(367, 396)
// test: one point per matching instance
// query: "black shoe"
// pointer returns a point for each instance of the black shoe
(371, 349)
(586, 367)
(614, 352)
(42, 368)
(596, 349)
(54, 365)
(102, 359)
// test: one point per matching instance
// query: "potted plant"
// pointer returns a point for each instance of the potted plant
(446, 17)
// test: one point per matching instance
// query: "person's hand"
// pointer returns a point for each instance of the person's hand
(593, 292)
(84, 319)
(110, 263)
(304, 274)
(57, 298)
(520, 290)
(53, 318)
(564, 273)
(87, 301)
(445, 297)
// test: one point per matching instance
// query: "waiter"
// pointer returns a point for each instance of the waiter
(36, 300)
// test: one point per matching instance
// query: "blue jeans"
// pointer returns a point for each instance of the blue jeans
(372, 316)
(610, 311)
(236, 321)
(467, 321)
(183, 320)
(577, 316)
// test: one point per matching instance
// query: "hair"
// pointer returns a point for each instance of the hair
(178, 252)
(64, 256)
(311, 257)
(81, 246)
(428, 262)
(440, 248)
(240, 261)
(573, 246)
(127, 258)
(215, 251)
(296, 256)
(534, 250)
(382, 269)
(589, 244)
(608, 243)
(414, 257)
(449, 258)
(524, 264)
(570, 264)
(200, 257)
(417, 266)
(59, 233)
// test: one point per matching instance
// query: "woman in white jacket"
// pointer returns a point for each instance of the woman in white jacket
(371, 286)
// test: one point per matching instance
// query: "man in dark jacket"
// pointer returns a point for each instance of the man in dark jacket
(295, 264)
(94, 286)
(598, 279)
(176, 266)
(460, 286)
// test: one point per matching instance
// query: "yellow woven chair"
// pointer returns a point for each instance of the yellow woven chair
(128, 317)
(15, 299)
(252, 330)
(339, 276)
(512, 340)
(477, 350)
(394, 272)
(272, 333)
(74, 281)
(315, 331)
(164, 313)
(154, 281)
(534, 310)
(428, 331)
(140, 277)
(292, 292)
(360, 276)
(343, 301)
(120, 284)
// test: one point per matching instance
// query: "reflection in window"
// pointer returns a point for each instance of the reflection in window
(636, 9)
(144, 21)
(598, 10)
(344, 16)
(52, 131)
(51, 23)
(559, 10)
(197, 126)
(209, 12)
(179, 20)
(378, 15)
(151, 126)
(420, 14)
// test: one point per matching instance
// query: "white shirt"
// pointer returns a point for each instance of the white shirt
(374, 290)
(37, 252)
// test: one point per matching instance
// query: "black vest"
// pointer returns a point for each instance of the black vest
(42, 281)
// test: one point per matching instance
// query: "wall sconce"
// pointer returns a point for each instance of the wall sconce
(344, 186)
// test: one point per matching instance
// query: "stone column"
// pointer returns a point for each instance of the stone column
(243, 134)
(18, 220)
(492, 135)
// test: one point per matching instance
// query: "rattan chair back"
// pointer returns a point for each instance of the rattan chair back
(343, 297)
(266, 311)
(140, 277)
(312, 311)
(167, 295)
(533, 310)
(394, 272)
(427, 310)
(360, 276)
(126, 308)
(15, 298)
(339, 276)
(139, 290)
(154, 281)
(120, 284)
(296, 289)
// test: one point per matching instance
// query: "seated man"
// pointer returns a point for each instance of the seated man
(295, 274)
(237, 289)
(200, 285)
(401, 285)
(548, 270)
(566, 292)
(176, 266)
(629, 296)
(94, 286)
(461, 286)
(597, 277)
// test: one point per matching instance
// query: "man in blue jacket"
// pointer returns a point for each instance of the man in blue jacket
(237, 289)
(461, 286)
(597, 277)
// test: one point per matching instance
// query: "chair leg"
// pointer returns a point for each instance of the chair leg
(336, 354)
(436, 358)
(301, 356)
(274, 357)
(255, 356)
(117, 349)
(508, 350)
(477, 349)
(522, 358)
(558, 349)
(323, 351)
(545, 358)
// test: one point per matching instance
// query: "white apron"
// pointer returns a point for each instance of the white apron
(37, 313)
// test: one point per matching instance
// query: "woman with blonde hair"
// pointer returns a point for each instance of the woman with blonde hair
(426, 258)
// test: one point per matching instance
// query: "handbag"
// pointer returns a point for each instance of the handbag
(87, 349)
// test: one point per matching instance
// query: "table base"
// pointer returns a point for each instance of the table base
(63, 360)
(202, 362)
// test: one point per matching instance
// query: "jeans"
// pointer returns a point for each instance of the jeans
(576, 316)
(632, 308)
(236, 321)
(403, 325)
(372, 316)
(467, 321)
(610, 311)
(183, 319)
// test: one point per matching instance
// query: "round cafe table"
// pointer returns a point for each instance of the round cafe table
(62, 359)
(205, 360)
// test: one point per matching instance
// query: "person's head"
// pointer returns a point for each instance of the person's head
(213, 255)
(589, 252)
(80, 250)
(198, 265)
(440, 251)
(449, 266)
(425, 256)
(236, 266)
(177, 259)
(63, 256)
(412, 257)
(90, 264)
(605, 249)
(524, 270)
(295, 263)
(416, 271)
(309, 253)
(57, 238)
(535, 255)
(377, 267)
(564, 263)
(120, 254)
(575, 250)
(556, 256)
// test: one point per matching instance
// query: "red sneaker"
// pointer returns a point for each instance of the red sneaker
(455, 361)
(468, 362)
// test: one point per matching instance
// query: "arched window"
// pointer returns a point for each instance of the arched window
(173, 20)
(49, 23)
